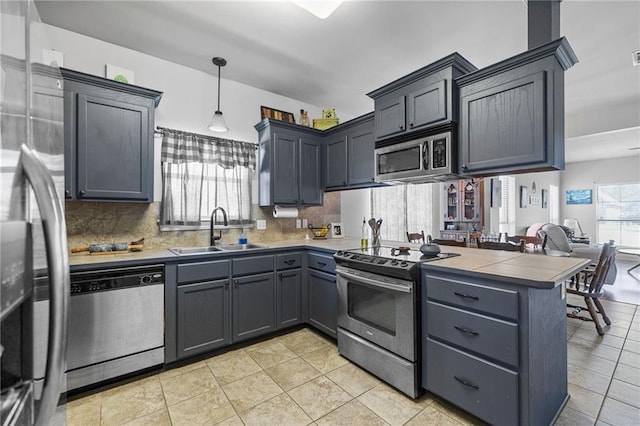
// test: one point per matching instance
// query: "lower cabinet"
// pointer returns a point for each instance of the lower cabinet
(323, 302)
(254, 308)
(289, 296)
(203, 317)
(495, 349)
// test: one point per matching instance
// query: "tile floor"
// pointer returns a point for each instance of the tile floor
(299, 379)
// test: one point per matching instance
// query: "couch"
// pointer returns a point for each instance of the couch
(557, 240)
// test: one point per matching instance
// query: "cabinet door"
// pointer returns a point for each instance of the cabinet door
(203, 317)
(254, 312)
(113, 150)
(336, 161)
(285, 168)
(310, 172)
(323, 302)
(390, 116)
(361, 155)
(451, 200)
(427, 105)
(469, 201)
(502, 124)
(288, 293)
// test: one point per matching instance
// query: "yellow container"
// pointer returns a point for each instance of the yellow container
(325, 123)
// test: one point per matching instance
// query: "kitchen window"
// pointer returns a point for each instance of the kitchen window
(618, 213)
(507, 212)
(403, 208)
(200, 173)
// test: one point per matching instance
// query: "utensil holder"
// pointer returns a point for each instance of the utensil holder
(376, 240)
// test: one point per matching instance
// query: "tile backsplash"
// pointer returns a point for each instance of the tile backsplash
(104, 222)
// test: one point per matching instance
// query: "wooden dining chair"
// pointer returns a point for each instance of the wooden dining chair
(536, 242)
(454, 243)
(588, 284)
(493, 245)
(416, 237)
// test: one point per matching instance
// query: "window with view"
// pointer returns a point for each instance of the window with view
(403, 208)
(507, 211)
(618, 214)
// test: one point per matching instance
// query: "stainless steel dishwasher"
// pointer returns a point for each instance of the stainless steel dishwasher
(116, 324)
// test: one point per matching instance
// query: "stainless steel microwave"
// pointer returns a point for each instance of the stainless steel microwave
(425, 159)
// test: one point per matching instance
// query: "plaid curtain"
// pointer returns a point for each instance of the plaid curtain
(202, 172)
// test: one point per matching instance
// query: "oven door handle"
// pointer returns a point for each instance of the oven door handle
(374, 283)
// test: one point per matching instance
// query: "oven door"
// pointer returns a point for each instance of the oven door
(379, 309)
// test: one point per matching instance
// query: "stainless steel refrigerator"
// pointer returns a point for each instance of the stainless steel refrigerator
(32, 227)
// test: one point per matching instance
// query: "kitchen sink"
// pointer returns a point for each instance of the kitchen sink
(233, 247)
(195, 250)
(214, 249)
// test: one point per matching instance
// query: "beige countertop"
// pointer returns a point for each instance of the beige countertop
(532, 268)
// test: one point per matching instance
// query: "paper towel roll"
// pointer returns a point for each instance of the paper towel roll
(284, 212)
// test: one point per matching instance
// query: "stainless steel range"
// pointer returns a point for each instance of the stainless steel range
(378, 294)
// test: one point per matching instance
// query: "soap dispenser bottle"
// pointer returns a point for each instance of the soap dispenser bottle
(243, 238)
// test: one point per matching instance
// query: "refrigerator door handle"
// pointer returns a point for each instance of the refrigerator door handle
(55, 236)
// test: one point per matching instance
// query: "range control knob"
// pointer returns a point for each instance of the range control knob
(404, 263)
(146, 279)
(394, 262)
(340, 253)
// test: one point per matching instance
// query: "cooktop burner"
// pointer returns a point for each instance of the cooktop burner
(393, 261)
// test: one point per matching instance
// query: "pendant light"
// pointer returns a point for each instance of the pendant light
(217, 121)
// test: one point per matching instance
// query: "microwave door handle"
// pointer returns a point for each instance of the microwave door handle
(55, 232)
(374, 283)
(425, 155)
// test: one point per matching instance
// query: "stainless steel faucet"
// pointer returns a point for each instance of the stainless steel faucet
(213, 217)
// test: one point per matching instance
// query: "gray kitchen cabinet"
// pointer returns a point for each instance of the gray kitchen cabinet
(322, 293)
(350, 151)
(289, 164)
(203, 317)
(512, 113)
(197, 308)
(288, 289)
(108, 139)
(481, 339)
(254, 297)
(423, 98)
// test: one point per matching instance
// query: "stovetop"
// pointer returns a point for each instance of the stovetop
(385, 260)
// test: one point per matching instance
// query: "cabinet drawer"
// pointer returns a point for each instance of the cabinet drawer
(321, 262)
(494, 301)
(288, 261)
(487, 336)
(252, 265)
(479, 387)
(203, 271)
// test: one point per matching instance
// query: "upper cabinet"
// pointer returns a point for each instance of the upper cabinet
(512, 113)
(290, 164)
(421, 99)
(108, 131)
(349, 160)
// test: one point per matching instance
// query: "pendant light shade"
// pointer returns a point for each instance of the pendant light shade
(217, 121)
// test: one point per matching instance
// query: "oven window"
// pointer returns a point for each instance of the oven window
(373, 307)
(399, 161)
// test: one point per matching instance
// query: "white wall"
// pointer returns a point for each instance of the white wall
(585, 175)
(533, 213)
(190, 96)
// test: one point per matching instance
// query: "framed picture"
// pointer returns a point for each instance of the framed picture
(496, 193)
(276, 114)
(534, 200)
(579, 196)
(336, 230)
(523, 196)
(545, 198)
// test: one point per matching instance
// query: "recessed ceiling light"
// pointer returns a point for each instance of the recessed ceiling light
(321, 8)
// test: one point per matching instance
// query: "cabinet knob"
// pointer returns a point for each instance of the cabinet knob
(67, 193)
(401, 126)
(81, 193)
(236, 282)
(410, 124)
(280, 275)
(301, 201)
(465, 167)
(226, 284)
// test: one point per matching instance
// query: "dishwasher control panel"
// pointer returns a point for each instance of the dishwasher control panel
(113, 279)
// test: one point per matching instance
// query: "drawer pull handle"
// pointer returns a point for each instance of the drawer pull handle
(466, 383)
(466, 296)
(466, 330)
(322, 263)
(290, 261)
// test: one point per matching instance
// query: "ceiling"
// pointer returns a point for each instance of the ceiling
(279, 47)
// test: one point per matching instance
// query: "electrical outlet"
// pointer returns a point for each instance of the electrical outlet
(304, 223)
(298, 223)
(261, 224)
